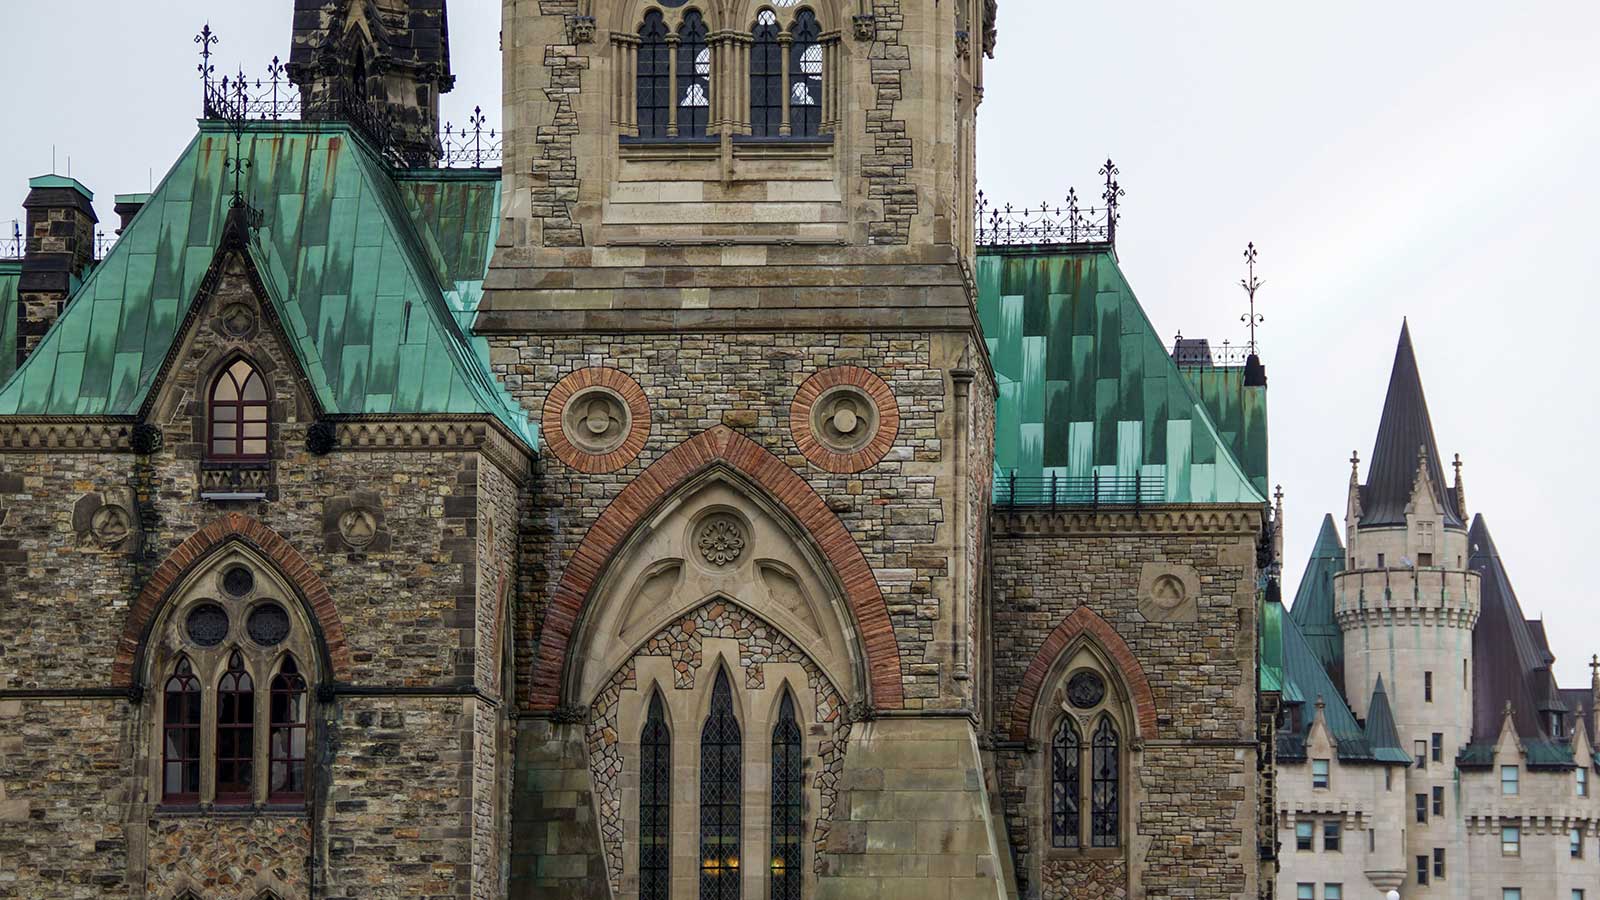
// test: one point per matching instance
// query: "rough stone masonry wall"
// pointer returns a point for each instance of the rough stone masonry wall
(1189, 811)
(555, 164)
(887, 168)
(746, 381)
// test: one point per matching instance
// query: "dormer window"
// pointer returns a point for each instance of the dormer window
(238, 413)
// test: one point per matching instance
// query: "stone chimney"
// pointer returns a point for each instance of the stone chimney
(128, 206)
(59, 250)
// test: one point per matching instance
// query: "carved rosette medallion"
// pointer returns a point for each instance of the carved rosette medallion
(721, 540)
(1085, 690)
(596, 420)
(844, 419)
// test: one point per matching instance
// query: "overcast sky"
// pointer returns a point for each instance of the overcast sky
(1425, 159)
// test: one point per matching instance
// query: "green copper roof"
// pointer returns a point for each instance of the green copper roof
(1382, 735)
(1240, 414)
(1086, 385)
(369, 298)
(1269, 659)
(10, 274)
(60, 181)
(1304, 672)
(1313, 602)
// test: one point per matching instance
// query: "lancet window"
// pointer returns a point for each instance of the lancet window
(721, 796)
(238, 413)
(655, 805)
(788, 803)
(1086, 761)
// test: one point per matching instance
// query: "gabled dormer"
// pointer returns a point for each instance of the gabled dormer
(1424, 516)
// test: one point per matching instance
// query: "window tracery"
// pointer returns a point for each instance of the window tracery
(694, 77)
(654, 80)
(1065, 785)
(287, 743)
(235, 741)
(181, 734)
(721, 795)
(1086, 759)
(805, 76)
(766, 77)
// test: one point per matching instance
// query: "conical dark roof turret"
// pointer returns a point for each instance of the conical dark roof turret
(1506, 656)
(1382, 736)
(1404, 431)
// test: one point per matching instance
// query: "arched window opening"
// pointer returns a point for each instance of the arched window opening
(694, 76)
(1065, 785)
(1105, 798)
(788, 793)
(287, 742)
(721, 794)
(805, 76)
(655, 805)
(766, 77)
(654, 81)
(180, 762)
(236, 713)
(238, 413)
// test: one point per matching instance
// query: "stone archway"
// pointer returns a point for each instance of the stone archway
(1083, 621)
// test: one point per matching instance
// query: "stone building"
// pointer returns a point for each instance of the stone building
(687, 508)
(1424, 745)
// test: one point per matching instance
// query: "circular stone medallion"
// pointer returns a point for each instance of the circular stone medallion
(358, 527)
(721, 540)
(238, 581)
(596, 420)
(238, 320)
(111, 524)
(844, 419)
(1085, 690)
(1168, 592)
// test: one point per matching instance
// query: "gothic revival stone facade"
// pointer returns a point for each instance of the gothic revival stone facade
(690, 508)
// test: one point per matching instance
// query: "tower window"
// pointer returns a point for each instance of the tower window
(1575, 840)
(1510, 781)
(1319, 774)
(1438, 862)
(1065, 785)
(1419, 749)
(1332, 891)
(1510, 840)
(1582, 775)
(788, 785)
(1422, 809)
(238, 413)
(1427, 687)
(1438, 801)
(1422, 870)
(805, 76)
(1304, 835)
(1303, 891)
(694, 76)
(721, 795)
(1331, 836)
(766, 77)
(1436, 749)
(653, 84)
(180, 779)
(655, 805)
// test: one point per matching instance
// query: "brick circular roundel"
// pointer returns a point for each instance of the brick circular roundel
(596, 420)
(844, 419)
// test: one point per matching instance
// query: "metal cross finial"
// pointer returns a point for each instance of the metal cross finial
(1594, 665)
(1251, 284)
(1111, 195)
(1457, 465)
(1355, 463)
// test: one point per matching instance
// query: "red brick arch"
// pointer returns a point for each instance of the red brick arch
(718, 445)
(1083, 619)
(231, 527)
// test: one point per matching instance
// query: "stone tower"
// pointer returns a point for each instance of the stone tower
(1407, 601)
(733, 275)
(380, 64)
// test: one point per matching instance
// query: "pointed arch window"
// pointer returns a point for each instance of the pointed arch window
(721, 794)
(653, 86)
(694, 76)
(286, 745)
(238, 413)
(655, 805)
(180, 735)
(1066, 785)
(788, 792)
(766, 76)
(805, 76)
(1105, 793)
(236, 715)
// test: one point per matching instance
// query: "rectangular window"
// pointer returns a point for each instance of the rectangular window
(1303, 836)
(1575, 838)
(1438, 862)
(1380, 560)
(1583, 782)
(1510, 840)
(1304, 891)
(1319, 774)
(1424, 560)
(1577, 894)
(1438, 801)
(1427, 686)
(1422, 809)
(1511, 894)
(1438, 747)
(1508, 781)
(1372, 840)
(1422, 870)
(1388, 779)
(1419, 749)
(1330, 835)
(1333, 892)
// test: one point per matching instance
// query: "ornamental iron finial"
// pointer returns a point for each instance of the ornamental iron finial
(1251, 284)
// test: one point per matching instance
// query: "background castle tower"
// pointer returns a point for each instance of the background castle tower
(380, 64)
(1407, 602)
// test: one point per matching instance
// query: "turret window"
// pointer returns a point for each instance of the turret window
(1319, 774)
(1583, 782)
(1510, 781)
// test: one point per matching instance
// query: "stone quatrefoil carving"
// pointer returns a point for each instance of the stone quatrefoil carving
(596, 420)
(721, 541)
(844, 419)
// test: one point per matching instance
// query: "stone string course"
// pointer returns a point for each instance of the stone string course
(759, 643)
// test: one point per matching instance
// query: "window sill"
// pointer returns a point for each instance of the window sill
(245, 479)
(229, 811)
(1071, 853)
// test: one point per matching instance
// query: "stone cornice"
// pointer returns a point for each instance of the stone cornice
(56, 434)
(1237, 519)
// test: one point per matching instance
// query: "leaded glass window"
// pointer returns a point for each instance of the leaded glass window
(805, 76)
(788, 791)
(236, 714)
(286, 744)
(1105, 798)
(766, 76)
(655, 805)
(180, 735)
(721, 793)
(694, 76)
(654, 83)
(238, 413)
(1065, 784)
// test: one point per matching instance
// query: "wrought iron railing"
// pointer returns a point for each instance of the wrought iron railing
(238, 99)
(12, 246)
(1053, 224)
(1199, 353)
(1012, 490)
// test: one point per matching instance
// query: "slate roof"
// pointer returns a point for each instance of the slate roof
(1404, 429)
(1313, 602)
(1087, 386)
(10, 274)
(1382, 736)
(373, 274)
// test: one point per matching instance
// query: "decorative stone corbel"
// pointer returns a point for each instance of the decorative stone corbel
(963, 44)
(321, 438)
(866, 27)
(580, 29)
(146, 439)
(570, 714)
